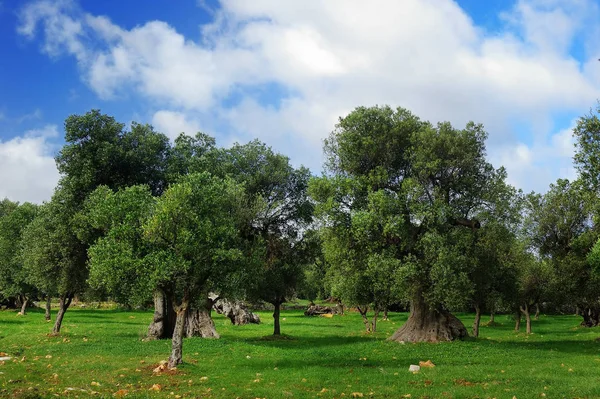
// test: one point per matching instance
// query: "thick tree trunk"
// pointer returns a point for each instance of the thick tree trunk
(517, 320)
(477, 321)
(276, 314)
(366, 321)
(591, 317)
(429, 325)
(537, 311)
(527, 313)
(199, 323)
(374, 323)
(25, 301)
(340, 308)
(47, 315)
(236, 311)
(65, 302)
(163, 322)
(177, 340)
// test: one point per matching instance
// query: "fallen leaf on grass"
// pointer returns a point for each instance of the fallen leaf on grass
(155, 387)
(203, 378)
(120, 393)
(428, 364)
(357, 394)
(95, 384)
(464, 382)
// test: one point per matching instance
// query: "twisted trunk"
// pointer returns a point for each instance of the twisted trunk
(385, 314)
(163, 321)
(517, 320)
(25, 302)
(47, 315)
(177, 340)
(198, 322)
(429, 325)
(477, 321)
(525, 311)
(363, 313)
(63, 305)
(236, 311)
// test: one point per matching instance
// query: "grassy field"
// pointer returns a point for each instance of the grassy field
(100, 353)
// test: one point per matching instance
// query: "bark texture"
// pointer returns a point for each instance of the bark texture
(64, 303)
(476, 322)
(177, 340)
(429, 325)
(526, 311)
(236, 311)
(24, 304)
(47, 315)
(363, 312)
(198, 322)
(163, 322)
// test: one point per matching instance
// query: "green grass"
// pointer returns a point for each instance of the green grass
(319, 357)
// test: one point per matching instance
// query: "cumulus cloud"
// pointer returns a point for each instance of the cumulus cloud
(317, 60)
(173, 123)
(27, 168)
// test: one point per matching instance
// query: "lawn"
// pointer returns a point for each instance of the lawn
(101, 353)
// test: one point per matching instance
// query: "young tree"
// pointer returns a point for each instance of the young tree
(13, 278)
(438, 180)
(278, 194)
(54, 259)
(563, 231)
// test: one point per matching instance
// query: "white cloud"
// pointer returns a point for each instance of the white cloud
(330, 56)
(27, 168)
(173, 123)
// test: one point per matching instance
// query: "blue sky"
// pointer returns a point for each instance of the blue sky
(285, 71)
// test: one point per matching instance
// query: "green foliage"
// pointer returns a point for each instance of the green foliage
(14, 218)
(395, 206)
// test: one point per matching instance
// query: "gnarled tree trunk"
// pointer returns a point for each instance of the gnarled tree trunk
(429, 325)
(363, 312)
(47, 315)
(24, 303)
(525, 311)
(477, 321)
(591, 317)
(63, 305)
(517, 320)
(177, 340)
(385, 314)
(163, 322)
(198, 322)
(236, 311)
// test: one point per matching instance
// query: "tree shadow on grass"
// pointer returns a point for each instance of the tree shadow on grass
(308, 343)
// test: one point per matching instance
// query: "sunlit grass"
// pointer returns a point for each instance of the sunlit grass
(100, 353)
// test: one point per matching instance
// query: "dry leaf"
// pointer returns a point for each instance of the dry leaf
(428, 364)
(155, 387)
(357, 394)
(120, 393)
(95, 384)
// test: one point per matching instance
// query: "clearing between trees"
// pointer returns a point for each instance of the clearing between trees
(101, 353)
